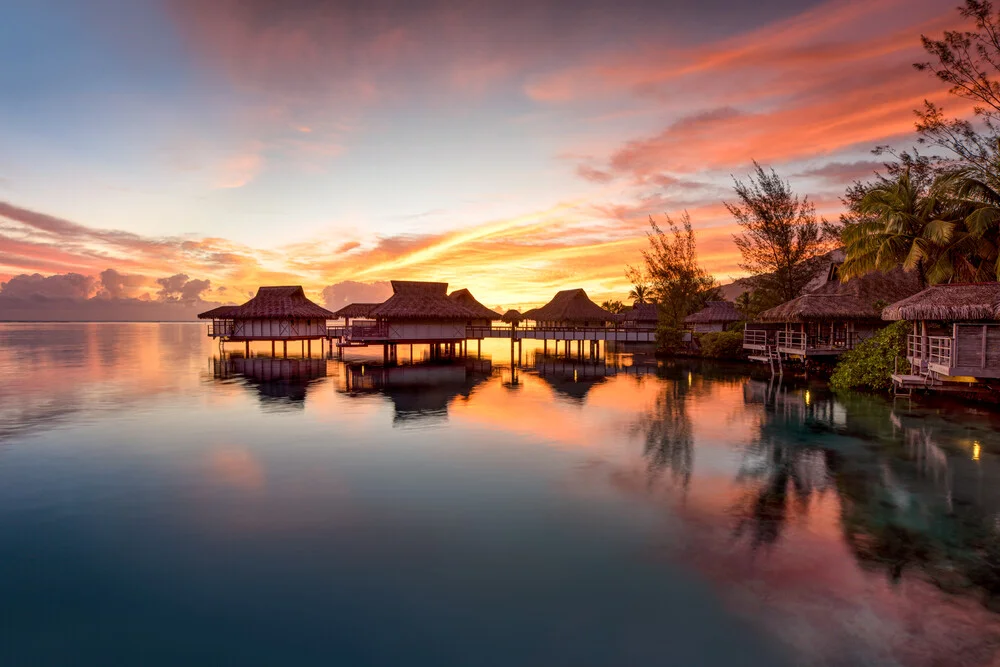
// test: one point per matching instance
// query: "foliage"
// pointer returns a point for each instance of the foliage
(722, 345)
(968, 61)
(871, 363)
(639, 293)
(780, 235)
(613, 306)
(669, 339)
(751, 304)
(906, 224)
(676, 281)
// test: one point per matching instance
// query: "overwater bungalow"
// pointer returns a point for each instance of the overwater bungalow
(280, 313)
(715, 316)
(641, 316)
(570, 309)
(829, 320)
(483, 315)
(417, 312)
(955, 342)
(512, 317)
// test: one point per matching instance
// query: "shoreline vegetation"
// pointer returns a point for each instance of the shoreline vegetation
(933, 209)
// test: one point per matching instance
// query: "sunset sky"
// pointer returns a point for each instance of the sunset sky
(512, 148)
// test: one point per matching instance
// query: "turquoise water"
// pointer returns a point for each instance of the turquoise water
(163, 505)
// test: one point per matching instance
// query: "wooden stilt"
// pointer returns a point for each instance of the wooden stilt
(272, 349)
(309, 348)
(284, 349)
(247, 344)
(479, 348)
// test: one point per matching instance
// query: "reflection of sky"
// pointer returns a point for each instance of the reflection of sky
(135, 483)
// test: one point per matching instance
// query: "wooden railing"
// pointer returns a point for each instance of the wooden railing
(932, 349)
(220, 329)
(621, 334)
(755, 337)
(795, 340)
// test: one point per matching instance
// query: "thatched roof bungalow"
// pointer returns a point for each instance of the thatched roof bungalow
(569, 309)
(275, 313)
(483, 314)
(422, 312)
(512, 316)
(956, 333)
(832, 317)
(715, 316)
(641, 315)
(353, 311)
(970, 302)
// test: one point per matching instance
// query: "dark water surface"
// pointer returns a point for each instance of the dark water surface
(162, 506)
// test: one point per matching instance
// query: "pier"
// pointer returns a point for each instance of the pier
(423, 313)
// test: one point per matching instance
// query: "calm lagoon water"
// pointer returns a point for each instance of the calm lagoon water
(160, 505)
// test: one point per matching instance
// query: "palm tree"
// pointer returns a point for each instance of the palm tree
(639, 293)
(613, 306)
(902, 224)
(975, 246)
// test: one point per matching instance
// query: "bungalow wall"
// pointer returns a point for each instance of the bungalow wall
(425, 330)
(976, 349)
(708, 327)
(277, 329)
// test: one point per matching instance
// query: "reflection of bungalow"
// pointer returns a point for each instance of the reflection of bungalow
(641, 316)
(715, 316)
(830, 319)
(570, 309)
(275, 313)
(419, 391)
(483, 315)
(279, 382)
(956, 335)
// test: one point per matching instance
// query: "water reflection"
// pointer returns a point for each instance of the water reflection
(420, 393)
(850, 529)
(280, 384)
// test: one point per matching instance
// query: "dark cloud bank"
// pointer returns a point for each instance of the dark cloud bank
(76, 297)
(73, 297)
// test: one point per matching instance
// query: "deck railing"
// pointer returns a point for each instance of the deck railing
(220, 329)
(621, 334)
(797, 340)
(755, 337)
(937, 350)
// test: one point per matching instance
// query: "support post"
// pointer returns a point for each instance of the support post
(284, 349)
(309, 348)
(272, 348)
(247, 347)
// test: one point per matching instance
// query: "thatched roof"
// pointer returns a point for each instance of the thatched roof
(413, 300)
(857, 299)
(641, 312)
(288, 301)
(464, 297)
(512, 316)
(355, 310)
(571, 305)
(967, 302)
(220, 313)
(715, 312)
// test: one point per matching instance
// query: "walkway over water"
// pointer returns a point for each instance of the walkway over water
(382, 333)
